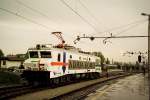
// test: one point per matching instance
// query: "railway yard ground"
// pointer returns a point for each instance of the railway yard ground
(64, 91)
(134, 87)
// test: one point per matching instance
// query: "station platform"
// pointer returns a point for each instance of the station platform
(133, 87)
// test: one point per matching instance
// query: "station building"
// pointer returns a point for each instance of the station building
(11, 61)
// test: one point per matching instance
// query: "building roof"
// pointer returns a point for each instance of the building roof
(15, 59)
(12, 58)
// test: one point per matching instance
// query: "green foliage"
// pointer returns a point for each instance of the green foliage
(118, 64)
(99, 54)
(107, 61)
(1, 53)
(9, 78)
(22, 56)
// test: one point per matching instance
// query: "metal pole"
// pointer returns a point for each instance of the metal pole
(144, 14)
(149, 53)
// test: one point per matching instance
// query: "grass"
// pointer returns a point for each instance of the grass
(7, 78)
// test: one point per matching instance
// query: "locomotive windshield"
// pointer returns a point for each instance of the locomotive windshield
(33, 54)
(45, 54)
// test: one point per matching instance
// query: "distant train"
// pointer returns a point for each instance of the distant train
(112, 69)
(52, 64)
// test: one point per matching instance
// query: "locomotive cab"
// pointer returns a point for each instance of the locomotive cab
(38, 60)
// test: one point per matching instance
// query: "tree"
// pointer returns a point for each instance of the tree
(137, 66)
(107, 61)
(99, 54)
(1, 53)
(118, 64)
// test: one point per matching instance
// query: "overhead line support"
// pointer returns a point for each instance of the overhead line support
(106, 37)
(148, 15)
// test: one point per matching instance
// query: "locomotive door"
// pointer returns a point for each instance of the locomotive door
(64, 62)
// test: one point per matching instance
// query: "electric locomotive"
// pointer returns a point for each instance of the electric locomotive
(55, 64)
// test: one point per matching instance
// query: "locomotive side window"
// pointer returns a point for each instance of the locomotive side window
(33, 54)
(59, 57)
(45, 54)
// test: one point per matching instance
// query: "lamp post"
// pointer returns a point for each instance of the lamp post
(148, 15)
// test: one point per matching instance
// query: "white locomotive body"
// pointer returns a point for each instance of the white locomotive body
(58, 62)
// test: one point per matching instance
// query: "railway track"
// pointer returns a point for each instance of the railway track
(8, 92)
(74, 91)
(18, 90)
(13, 91)
(81, 93)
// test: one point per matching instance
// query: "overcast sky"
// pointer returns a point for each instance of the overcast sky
(119, 17)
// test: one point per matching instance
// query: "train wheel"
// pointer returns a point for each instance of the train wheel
(78, 76)
(56, 81)
(63, 79)
(68, 78)
(83, 76)
(92, 76)
(52, 83)
(87, 76)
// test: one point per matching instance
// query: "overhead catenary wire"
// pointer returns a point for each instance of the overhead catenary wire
(133, 26)
(109, 30)
(41, 13)
(27, 19)
(115, 28)
(34, 10)
(85, 20)
(133, 23)
(44, 15)
(33, 20)
(90, 13)
(130, 27)
(115, 36)
(123, 26)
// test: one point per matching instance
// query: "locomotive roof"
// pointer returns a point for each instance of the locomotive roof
(66, 47)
